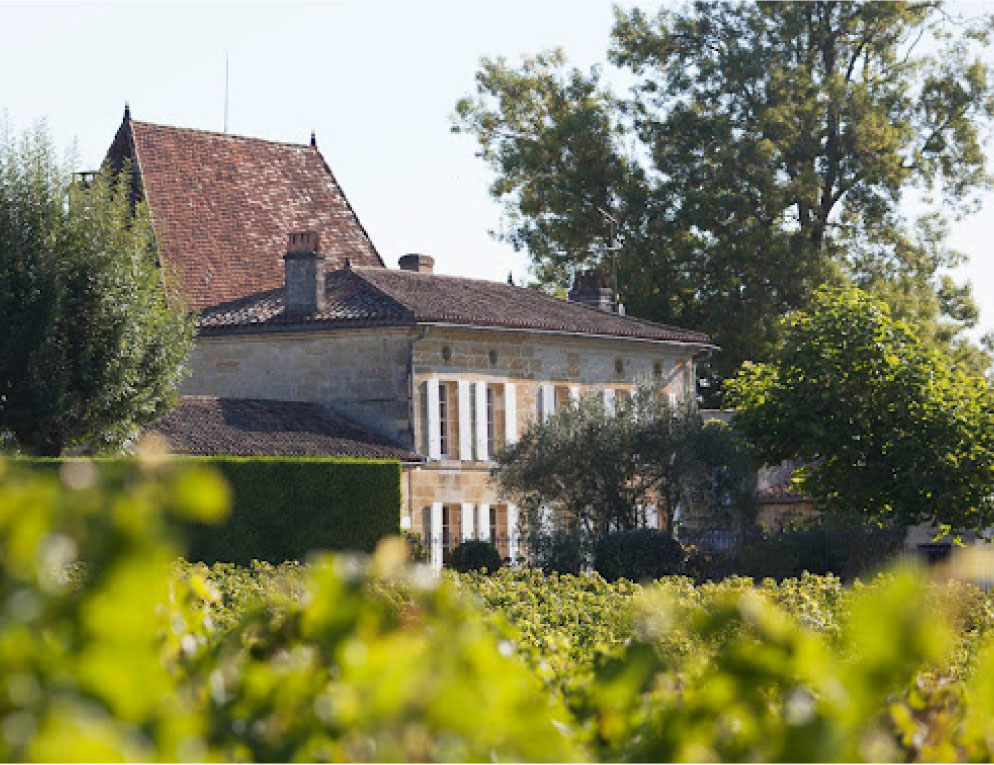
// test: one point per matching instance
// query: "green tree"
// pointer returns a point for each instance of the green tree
(764, 150)
(91, 349)
(599, 471)
(892, 430)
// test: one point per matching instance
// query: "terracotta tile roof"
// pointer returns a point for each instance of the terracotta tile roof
(255, 427)
(397, 297)
(223, 205)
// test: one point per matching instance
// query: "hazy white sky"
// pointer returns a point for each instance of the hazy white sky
(377, 81)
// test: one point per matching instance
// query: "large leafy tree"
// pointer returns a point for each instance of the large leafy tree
(91, 348)
(763, 149)
(598, 471)
(892, 430)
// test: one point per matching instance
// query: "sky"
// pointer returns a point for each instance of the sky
(376, 81)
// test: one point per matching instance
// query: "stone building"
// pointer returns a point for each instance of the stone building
(296, 305)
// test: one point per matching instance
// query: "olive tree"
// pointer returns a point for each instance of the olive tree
(598, 471)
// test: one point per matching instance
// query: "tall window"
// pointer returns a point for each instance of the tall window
(448, 419)
(499, 532)
(496, 430)
(451, 529)
(562, 397)
(443, 417)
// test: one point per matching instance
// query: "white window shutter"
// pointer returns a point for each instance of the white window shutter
(467, 520)
(652, 517)
(609, 401)
(512, 533)
(510, 413)
(481, 422)
(574, 394)
(548, 401)
(483, 522)
(434, 422)
(435, 535)
(465, 422)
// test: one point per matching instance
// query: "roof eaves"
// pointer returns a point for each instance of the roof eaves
(565, 332)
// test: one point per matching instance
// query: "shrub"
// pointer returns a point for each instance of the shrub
(637, 555)
(473, 555)
(416, 550)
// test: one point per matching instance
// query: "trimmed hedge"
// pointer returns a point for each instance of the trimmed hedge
(474, 555)
(285, 507)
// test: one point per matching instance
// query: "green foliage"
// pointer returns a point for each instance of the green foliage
(599, 471)
(558, 552)
(475, 555)
(91, 350)
(111, 650)
(284, 508)
(135, 659)
(416, 550)
(89, 656)
(762, 150)
(891, 429)
(638, 555)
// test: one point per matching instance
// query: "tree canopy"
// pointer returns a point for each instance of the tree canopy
(763, 149)
(600, 470)
(91, 348)
(891, 429)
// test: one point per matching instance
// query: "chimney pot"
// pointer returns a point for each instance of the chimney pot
(590, 288)
(422, 264)
(304, 285)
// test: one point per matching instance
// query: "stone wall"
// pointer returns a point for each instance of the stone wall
(360, 373)
(532, 359)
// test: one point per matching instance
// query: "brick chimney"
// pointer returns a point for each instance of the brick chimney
(590, 288)
(304, 274)
(422, 264)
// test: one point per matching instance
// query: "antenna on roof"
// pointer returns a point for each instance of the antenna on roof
(612, 247)
(226, 91)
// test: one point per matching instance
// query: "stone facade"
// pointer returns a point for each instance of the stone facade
(379, 377)
(360, 373)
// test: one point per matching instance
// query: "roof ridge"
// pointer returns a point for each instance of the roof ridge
(219, 134)
(540, 293)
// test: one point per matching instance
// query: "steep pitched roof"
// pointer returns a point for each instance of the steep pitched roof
(223, 205)
(257, 427)
(387, 296)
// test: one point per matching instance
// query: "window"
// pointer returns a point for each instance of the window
(451, 529)
(562, 397)
(500, 534)
(448, 418)
(496, 420)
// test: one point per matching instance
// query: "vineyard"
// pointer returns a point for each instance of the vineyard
(112, 648)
